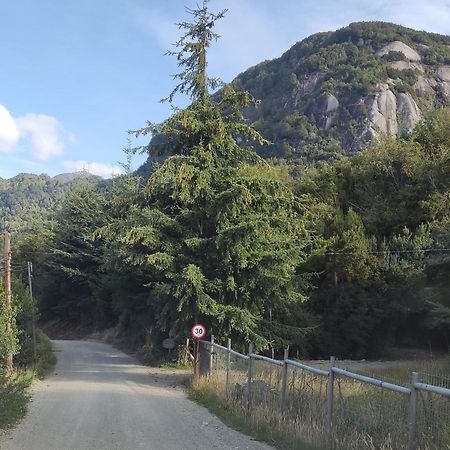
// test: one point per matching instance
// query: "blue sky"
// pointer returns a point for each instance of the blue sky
(77, 74)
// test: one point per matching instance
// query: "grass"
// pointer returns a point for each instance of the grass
(402, 374)
(46, 357)
(14, 391)
(259, 430)
(175, 366)
(365, 416)
(14, 397)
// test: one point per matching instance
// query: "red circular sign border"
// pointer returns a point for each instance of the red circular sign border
(198, 325)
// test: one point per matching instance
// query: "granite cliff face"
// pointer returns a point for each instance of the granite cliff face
(340, 90)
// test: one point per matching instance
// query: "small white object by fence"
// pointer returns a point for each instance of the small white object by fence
(286, 362)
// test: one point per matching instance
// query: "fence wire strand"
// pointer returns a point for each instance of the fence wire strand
(433, 414)
(365, 416)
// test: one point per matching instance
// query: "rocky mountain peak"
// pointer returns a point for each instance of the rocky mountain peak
(336, 91)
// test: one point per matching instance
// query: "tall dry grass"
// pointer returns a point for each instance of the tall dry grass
(365, 416)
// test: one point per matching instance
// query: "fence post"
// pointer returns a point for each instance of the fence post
(211, 355)
(284, 381)
(227, 383)
(412, 413)
(196, 360)
(330, 395)
(249, 378)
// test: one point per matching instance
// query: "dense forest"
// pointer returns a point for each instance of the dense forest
(29, 206)
(346, 257)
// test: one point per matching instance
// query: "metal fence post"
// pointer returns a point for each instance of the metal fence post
(211, 355)
(330, 396)
(412, 413)
(249, 378)
(284, 381)
(227, 383)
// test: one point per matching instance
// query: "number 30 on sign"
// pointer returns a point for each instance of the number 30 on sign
(198, 331)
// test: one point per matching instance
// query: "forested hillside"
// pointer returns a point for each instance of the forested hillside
(346, 257)
(336, 91)
(32, 199)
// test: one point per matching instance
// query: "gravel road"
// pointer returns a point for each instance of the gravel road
(99, 398)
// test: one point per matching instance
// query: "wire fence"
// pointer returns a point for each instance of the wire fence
(333, 408)
(433, 413)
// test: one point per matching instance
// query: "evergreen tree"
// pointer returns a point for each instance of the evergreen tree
(72, 267)
(219, 233)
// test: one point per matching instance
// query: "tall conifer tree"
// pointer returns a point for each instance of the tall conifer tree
(220, 234)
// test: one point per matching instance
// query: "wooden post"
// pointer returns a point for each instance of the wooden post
(211, 355)
(197, 360)
(227, 382)
(330, 395)
(30, 284)
(187, 353)
(7, 288)
(412, 413)
(249, 379)
(284, 377)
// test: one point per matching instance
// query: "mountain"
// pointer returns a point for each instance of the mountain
(28, 201)
(71, 176)
(337, 91)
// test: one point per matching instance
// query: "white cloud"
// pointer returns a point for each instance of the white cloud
(9, 133)
(104, 170)
(45, 133)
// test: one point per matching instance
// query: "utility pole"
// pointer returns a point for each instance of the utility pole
(30, 285)
(7, 288)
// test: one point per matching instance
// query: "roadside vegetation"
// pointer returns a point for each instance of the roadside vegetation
(364, 416)
(258, 426)
(14, 387)
(14, 390)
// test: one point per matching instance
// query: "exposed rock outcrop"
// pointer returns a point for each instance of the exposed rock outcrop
(382, 110)
(405, 65)
(306, 87)
(443, 73)
(425, 85)
(324, 109)
(408, 113)
(443, 80)
(389, 114)
(398, 46)
(346, 88)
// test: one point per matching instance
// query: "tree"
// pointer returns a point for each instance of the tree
(74, 260)
(216, 232)
(9, 342)
(209, 124)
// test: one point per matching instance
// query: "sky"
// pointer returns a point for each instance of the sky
(76, 75)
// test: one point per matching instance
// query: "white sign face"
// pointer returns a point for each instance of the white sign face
(198, 331)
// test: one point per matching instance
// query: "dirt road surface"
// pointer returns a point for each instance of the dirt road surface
(98, 398)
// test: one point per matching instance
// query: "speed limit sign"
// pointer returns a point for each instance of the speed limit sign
(198, 331)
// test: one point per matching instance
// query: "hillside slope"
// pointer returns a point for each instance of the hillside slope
(339, 90)
(28, 201)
